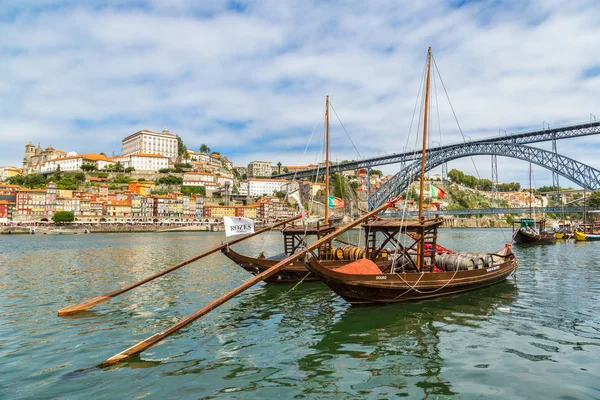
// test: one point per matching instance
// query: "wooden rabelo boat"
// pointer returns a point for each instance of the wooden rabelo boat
(294, 239)
(530, 231)
(419, 269)
(416, 271)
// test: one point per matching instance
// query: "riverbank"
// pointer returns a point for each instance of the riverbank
(450, 223)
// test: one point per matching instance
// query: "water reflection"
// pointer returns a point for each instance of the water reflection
(398, 343)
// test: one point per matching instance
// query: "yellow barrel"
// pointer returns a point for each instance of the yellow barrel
(348, 250)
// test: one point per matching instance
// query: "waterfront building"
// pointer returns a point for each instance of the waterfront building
(9, 192)
(148, 142)
(6, 211)
(259, 169)
(31, 204)
(260, 187)
(51, 195)
(117, 210)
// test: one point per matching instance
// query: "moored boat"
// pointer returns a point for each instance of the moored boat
(532, 232)
(582, 236)
(420, 269)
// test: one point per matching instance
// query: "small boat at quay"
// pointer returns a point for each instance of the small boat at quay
(532, 232)
(582, 236)
(418, 268)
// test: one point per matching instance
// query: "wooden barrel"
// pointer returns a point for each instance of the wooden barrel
(339, 253)
(452, 262)
(347, 250)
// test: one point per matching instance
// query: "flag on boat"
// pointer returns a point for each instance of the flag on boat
(435, 191)
(238, 226)
(335, 202)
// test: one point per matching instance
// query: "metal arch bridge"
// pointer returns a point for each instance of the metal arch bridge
(569, 168)
(484, 211)
(566, 132)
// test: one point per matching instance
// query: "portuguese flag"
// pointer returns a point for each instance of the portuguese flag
(335, 202)
(436, 192)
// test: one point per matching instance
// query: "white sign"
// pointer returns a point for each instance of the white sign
(238, 226)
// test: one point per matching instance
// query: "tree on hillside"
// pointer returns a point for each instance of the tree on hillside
(279, 167)
(376, 172)
(594, 199)
(88, 167)
(181, 147)
(61, 217)
(119, 167)
(204, 149)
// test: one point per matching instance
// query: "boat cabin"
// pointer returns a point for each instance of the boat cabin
(417, 253)
(294, 238)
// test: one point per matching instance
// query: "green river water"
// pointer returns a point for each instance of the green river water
(534, 337)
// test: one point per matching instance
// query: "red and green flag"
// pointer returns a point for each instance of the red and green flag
(435, 191)
(335, 202)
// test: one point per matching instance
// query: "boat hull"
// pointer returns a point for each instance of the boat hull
(581, 237)
(407, 286)
(293, 272)
(522, 237)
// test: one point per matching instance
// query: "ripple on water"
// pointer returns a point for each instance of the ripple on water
(540, 333)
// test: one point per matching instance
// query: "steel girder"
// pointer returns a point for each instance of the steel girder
(483, 211)
(521, 138)
(569, 168)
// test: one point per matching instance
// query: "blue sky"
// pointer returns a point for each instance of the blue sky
(249, 78)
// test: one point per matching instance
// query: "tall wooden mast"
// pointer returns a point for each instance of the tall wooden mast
(423, 152)
(327, 160)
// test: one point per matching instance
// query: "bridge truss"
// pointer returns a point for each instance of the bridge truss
(545, 135)
(569, 168)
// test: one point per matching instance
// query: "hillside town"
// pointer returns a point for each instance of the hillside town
(157, 179)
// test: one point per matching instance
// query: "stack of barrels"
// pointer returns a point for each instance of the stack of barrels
(352, 253)
(463, 261)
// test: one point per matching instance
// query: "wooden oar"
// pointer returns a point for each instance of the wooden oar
(100, 299)
(154, 339)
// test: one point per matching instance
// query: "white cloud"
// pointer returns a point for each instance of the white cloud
(251, 81)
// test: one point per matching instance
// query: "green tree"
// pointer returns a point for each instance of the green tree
(594, 199)
(279, 167)
(119, 167)
(376, 172)
(181, 147)
(79, 177)
(190, 190)
(121, 178)
(204, 148)
(34, 181)
(61, 217)
(129, 169)
(88, 167)
(170, 180)
(16, 180)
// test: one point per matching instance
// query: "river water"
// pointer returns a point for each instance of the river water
(537, 336)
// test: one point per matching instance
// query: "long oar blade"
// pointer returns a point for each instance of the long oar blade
(100, 299)
(154, 339)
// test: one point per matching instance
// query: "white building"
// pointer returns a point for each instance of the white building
(258, 187)
(148, 142)
(74, 162)
(144, 162)
(259, 169)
